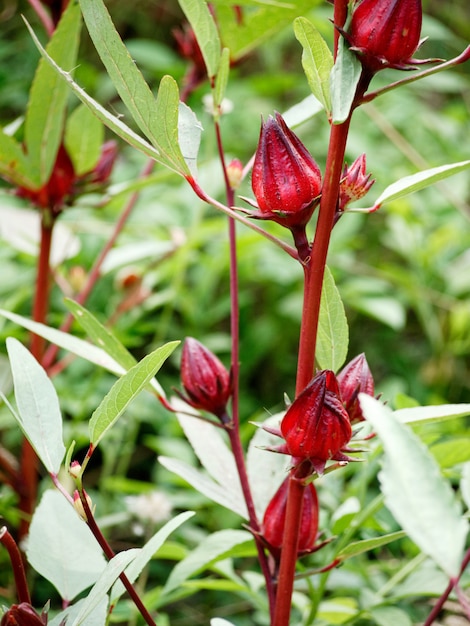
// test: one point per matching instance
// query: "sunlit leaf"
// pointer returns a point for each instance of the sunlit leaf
(433, 413)
(14, 164)
(48, 95)
(38, 406)
(359, 547)
(421, 500)
(198, 15)
(333, 332)
(222, 77)
(418, 181)
(125, 390)
(317, 60)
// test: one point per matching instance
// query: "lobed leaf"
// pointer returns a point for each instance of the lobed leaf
(333, 332)
(421, 500)
(38, 406)
(125, 390)
(317, 60)
(48, 96)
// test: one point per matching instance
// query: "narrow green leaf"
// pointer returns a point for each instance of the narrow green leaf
(365, 545)
(14, 164)
(98, 618)
(125, 390)
(158, 120)
(211, 549)
(427, 414)
(344, 79)
(421, 500)
(109, 120)
(112, 571)
(198, 15)
(84, 136)
(100, 335)
(38, 406)
(333, 332)
(48, 96)
(147, 552)
(222, 77)
(205, 485)
(317, 60)
(61, 547)
(418, 181)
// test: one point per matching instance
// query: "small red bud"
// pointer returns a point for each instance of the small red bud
(355, 378)
(385, 33)
(275, 518)
(316, 426)
(205, 380)
(355, 182)
(286, 180)
(23, 615)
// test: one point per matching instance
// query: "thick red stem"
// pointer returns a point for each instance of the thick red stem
(17, 565)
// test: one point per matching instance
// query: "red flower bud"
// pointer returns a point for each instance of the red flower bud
(286, 180)
(355, 378)
(355, 182)
(23, 615)
(385, 33)
(275, 518)
(205, 380)
(102, 170)
(316, 426)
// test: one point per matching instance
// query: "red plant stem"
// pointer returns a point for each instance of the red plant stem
(29, 462)
(109, 552)
(339, 20)
(94, 275)
(17, 565)
(43, 15)
(234, 429)
(452, 583)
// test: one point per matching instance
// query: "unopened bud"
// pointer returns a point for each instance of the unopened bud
(75, 469)
(23, 615)
(355, 182)
(355, 378)
(235, 173)
(78, 505)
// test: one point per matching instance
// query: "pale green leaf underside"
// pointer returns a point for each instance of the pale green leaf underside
(38, 406)
(343, 82)
(333, 332)
(436, 413)
(421, 500)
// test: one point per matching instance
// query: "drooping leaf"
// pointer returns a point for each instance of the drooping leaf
(61, 547)
(317, 60)
(14, 164)
(205, 485)
(343, 83)
(418, 181)
(333, 332)
(211, 549)
(38, 406)
(198, 15)
(146, 553)
(365, 545)
(48, 95)
(419, 497)
(84, 136)
(112, 570)
(125, 390)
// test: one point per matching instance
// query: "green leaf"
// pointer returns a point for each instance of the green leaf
(198, 15)
(109, 120)
(452, 452)
(390, 616)
(38, 406)
(344, 79)
(112, 570)
(125, 390)
(465, 485)
(98, 618)
(48, 96)
(147, 552)
(189, 136)
(421, 500)
(215, 547)
(222, 77)
(84, 136)
(14, 164)
(418, 181)
(333, 332)
(317, 60)
(101, 335)
(61, 547)
(337, 610)
(205, 485)
(428, 414)
(365, 545)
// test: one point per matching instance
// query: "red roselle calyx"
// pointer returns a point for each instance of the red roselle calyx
(355, 378)
(355, 183)
(316, 426)
(286, 180)
(385, 33)
(23, 615)
(275, 518)
(206, 381)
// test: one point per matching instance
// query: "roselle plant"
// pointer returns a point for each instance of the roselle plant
(333, 426)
